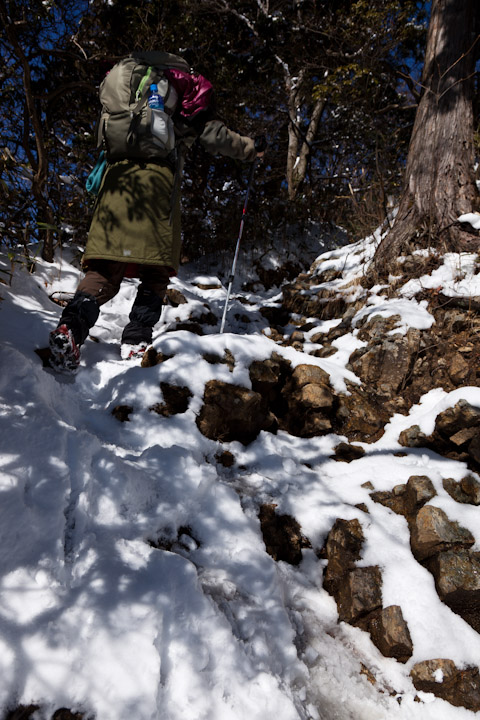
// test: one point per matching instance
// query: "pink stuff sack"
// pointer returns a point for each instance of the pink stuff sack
(195, 91)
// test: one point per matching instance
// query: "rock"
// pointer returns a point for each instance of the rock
(264, 376)
(22, 712)
(389, 499)
(213, 285)
(191, 327)
(277, 316)
(456, 321)
(407, 499)
(378, 327)
(474, 451)
(346, 453)
(358, 417)
(225, 458)
(471, 487)
(359, 594)
(205, 318)
(390, 633)
(419, 490)
(466, 491)
(297, 336)
(363, 507)
(276, 276)
(309, 400)
(314, 397)
(412, 437)
(175, 297)
(324, 303)
(231, 412)
(309, 375)
(432, 532)
(225, 359)
(458, 369)
(176, 400)
(432, 672)
(463, 437)
(26, 712)
(318, 338)
(151, 358)
(268, 378)
(456, 434)
(342, 549)
(368, 674)
(461, 416)
(173, 539)
(122, 412)
(457, 579)
(385, 365)
(357, 591)
(442, 678)
(282, 535)
(301, 400)
(314, 424)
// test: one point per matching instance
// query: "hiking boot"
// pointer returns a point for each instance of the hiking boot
(133, 352)
(65, 353)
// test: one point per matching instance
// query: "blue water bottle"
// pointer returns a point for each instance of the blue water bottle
(155, 100)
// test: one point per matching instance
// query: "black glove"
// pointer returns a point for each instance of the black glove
(261, 143)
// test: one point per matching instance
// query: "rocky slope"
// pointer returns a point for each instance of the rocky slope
(396, 366)
(267, 466)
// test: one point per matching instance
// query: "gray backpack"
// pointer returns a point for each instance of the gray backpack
(128, 127)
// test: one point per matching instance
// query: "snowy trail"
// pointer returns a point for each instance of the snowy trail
(134, 581)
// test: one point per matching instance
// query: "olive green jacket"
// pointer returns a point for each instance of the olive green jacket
(133, 219)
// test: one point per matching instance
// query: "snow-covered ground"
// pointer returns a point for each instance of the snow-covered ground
(93, 617)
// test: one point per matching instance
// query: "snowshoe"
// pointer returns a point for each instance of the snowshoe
(133, 352)
(65, 354)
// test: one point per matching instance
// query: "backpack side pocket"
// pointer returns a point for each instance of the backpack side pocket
(162, 129)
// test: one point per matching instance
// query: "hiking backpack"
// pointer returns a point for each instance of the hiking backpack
(128, 127)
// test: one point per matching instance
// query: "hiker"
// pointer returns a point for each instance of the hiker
(135, 229)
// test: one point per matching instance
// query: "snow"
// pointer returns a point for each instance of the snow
(472, 218)
(413, 314)
(456, 277)
(97, 617)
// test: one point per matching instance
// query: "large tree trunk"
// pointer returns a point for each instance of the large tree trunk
(439, 179)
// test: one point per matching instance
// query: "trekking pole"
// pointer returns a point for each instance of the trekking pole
(260, 146)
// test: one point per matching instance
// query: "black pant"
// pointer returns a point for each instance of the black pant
(101, 283)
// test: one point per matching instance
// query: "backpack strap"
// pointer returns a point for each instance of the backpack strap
(145, 79)
(141, 97)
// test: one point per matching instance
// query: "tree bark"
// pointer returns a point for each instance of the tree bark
(439, 178)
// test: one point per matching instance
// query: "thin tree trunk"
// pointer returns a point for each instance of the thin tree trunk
(32, 115)
(298, 147)
(439, 178)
